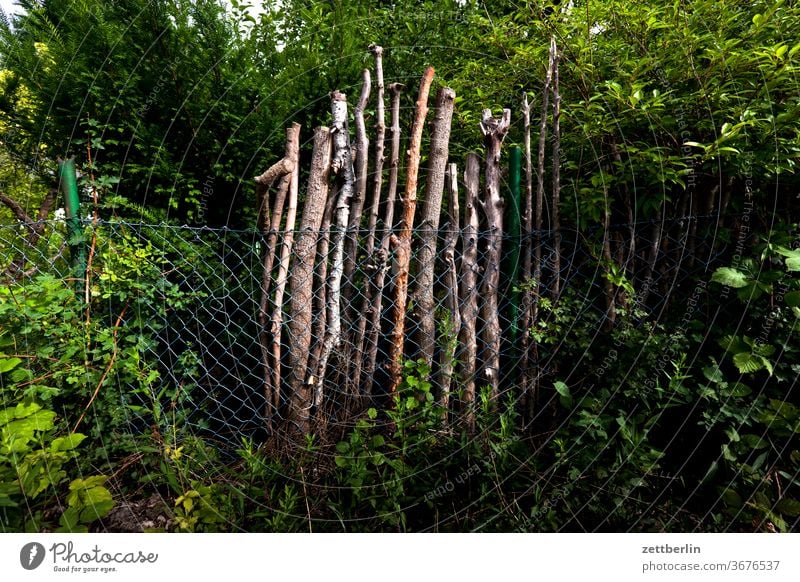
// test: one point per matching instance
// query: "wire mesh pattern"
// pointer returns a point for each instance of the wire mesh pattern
(205, 337)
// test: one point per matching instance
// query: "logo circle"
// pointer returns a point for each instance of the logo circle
(31, 555)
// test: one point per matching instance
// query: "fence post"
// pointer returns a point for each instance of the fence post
(512, 262)
(68, 184)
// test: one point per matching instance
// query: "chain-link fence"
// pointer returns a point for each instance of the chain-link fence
(197, 295)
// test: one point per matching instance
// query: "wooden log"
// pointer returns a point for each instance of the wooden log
(380, 257)
(537, 256)
(424, 305)
(468, 288)
(356, 318)
(320, 321)
(363, 347)
(276, 322)
(342, 167)
(448, 351)
(494, 130)
(555, 288)
(302, 276)
(526, 306)
(402, 242)
(269, 254)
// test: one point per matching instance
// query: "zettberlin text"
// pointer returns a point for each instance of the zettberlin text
(667, 549)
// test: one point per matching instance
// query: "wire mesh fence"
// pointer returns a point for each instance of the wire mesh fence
(195, 299)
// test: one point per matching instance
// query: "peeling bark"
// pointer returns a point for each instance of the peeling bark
(448, 352)
(468, 289)
(290, 161)
(342, 167)
(495, 131)
(380, 257)
(402, 242)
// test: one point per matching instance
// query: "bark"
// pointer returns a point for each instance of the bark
(35, 227)
(351, 247)
(363, 348)
(380, 259)
(380, 158)
(555, 289)
(527, 255)
(537, 257)
(342, 167)
(276, 323)
(429, 225)
(290, 161)
(302, 278)
(608, 286)
(402, 242)
(468, 290)
(448, 352)
(320, 299)
(495, 131)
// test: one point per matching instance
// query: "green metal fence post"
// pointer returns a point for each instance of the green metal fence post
(68, 184)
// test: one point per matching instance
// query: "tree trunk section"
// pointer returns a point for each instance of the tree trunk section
(453, 318)
(374, 263)
(280, 283)
(381, 256)
(529, 289)
(468, 290)
(282, 170)
(429, 225)
(342, 167)
(555, 290)
(495, 131)
(320, 299)
(302, 278)
(402, 242)
(356, 210)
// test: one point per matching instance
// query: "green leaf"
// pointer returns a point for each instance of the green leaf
(790, 507)
(713, 374)
(730, 278)
(8, 364)
(732, 498)
(562, 389)
(793, 264)
(746, 363)
(67, 443)
(792, 298)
